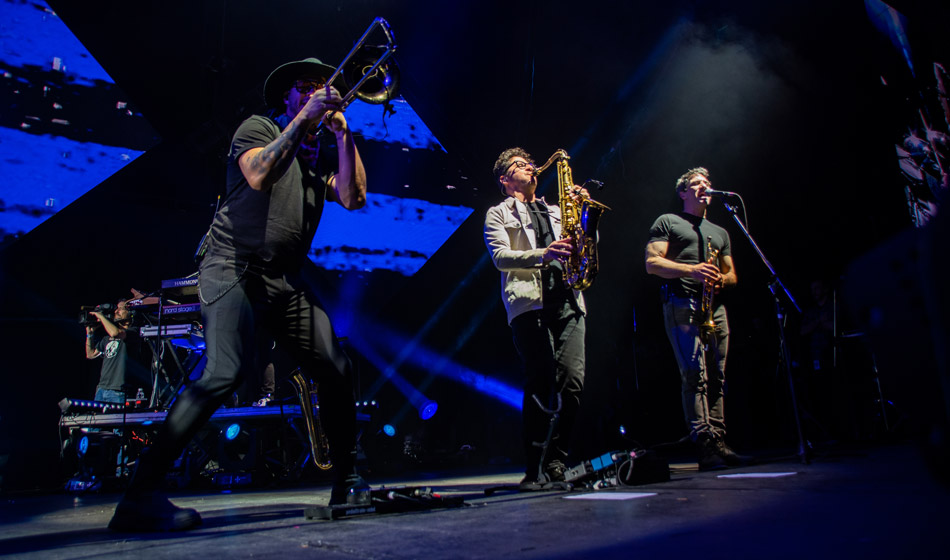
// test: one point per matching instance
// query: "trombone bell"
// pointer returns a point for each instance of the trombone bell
(379, 82)
(367, 70)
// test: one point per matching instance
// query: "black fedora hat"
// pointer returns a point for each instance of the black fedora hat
(284, 76)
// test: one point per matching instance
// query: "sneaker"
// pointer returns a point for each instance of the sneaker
(709, 458)
(731, 458)
(263, 401)
(150, 514)
(353, 491)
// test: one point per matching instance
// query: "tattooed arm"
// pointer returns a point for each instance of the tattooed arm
(348, 186)
(262, 167)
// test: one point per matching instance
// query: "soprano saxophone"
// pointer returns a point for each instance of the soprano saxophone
(579, 219)
(310, 409)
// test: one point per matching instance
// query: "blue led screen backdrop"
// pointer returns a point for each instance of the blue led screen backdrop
(66, 127)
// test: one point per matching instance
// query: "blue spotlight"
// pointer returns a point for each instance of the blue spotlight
(83, 445)
(428, 409)
(413, 352)
(232, 431)
(419, 401)
(389, 430)
(623, 431)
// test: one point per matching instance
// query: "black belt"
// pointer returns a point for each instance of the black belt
(668, 290)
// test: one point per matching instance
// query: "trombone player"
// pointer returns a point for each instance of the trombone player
(677, 252)
(278, 180)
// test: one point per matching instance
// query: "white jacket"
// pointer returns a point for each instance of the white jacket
(512, 244)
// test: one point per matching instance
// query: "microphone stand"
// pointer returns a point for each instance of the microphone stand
(777, 288)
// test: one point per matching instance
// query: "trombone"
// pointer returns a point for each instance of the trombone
(369, 65)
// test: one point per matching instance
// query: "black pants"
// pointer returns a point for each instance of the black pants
(238, 300)
(551, 345)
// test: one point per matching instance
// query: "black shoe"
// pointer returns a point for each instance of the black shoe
(732, 458)
(353, 491)
(530, 483)
(151, 514)
(709, 458)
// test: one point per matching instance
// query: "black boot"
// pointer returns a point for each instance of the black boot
(351, 491)
(709, 458)
(732, 458)
(349, 488)
(152, 513)
(145, 508)
(534, 477)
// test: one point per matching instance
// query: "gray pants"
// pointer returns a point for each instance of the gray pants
(702, 373)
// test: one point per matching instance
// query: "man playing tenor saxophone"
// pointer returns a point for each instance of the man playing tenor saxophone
(524, 237)
(694, 256)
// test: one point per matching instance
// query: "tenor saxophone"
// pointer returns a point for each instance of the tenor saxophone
(579, 219)
(310, 409)
(708, 326)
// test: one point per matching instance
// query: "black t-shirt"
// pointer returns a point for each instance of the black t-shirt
(552, 276)
(687, 235)
(273, 228)
(118, 361)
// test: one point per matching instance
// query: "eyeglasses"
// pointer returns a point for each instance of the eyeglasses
(520, 165)
(304, 87)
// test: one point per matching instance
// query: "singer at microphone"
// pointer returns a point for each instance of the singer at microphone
(713, 192)
(690, 253)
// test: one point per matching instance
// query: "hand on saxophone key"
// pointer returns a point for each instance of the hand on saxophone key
(579, 193)
(560, 249)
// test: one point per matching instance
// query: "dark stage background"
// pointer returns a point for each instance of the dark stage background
(783, 101)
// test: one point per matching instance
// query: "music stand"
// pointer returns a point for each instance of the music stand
(777, 288)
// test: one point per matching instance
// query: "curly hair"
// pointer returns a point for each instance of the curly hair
(504, 162)
(683, 182)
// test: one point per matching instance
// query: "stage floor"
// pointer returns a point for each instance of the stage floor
(877, 502)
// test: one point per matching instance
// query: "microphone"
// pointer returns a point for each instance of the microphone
(712, 192)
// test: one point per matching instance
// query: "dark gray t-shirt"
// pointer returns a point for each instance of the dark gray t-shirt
(687, 235)
(275, 228)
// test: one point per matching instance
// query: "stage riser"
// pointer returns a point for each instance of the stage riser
(269, 446)
(247, 413)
